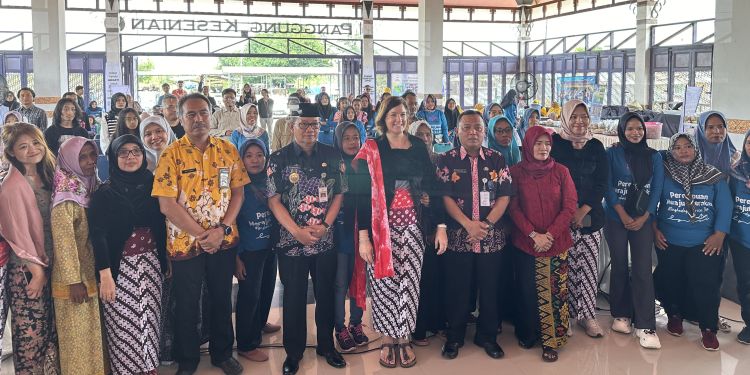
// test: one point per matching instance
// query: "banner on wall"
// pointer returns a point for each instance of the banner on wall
(403, 82)
(582, 88)
(690, 104)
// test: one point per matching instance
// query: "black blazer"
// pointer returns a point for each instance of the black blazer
(111, 222)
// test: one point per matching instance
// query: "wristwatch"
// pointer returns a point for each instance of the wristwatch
(227, 229)
(489, 223)
(325, 225)
(532, 234)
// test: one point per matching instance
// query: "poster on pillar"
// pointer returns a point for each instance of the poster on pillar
(113, 78)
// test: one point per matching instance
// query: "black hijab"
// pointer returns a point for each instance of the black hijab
(637, 155)
(451, 115)
(324, 111)
(133, 187)
(258, 182)
(113, 110)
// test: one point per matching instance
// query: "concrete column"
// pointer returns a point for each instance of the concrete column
(430, 63)
(368, 48)
(50, 52)
(644, 21)
(730, 79)
(113, 74)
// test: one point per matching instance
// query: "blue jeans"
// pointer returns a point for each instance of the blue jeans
(344, 270)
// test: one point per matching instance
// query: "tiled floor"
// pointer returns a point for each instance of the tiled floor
(612, 355)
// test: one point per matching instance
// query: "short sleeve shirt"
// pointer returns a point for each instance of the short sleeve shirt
(201, 182)
(466, 179)
(298, 178)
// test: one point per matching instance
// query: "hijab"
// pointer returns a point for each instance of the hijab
(536, 168)
(18, 115)
(113, 110)
(133, 187)
(70, 183)
(742, 170)
(565, 126)
(152, 156)
(451, 115)
(696, 172)
(509, 106)
(338, 142)
(259, 181)
(486, 110)
(248, 131)
(11, 104)
(324, 111)
(423, 105)
(525, 120)
(511, 153)
(718, 155)
(637, 155)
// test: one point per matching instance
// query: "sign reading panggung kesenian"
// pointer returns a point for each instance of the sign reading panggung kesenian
(228, 25)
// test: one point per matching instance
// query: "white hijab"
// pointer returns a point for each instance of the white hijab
(152, 156)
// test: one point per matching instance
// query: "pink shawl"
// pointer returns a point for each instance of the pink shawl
(565, 125)
(20, 221)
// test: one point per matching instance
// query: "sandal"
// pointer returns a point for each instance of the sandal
(406, 362)
(391, 359)
(549, 354)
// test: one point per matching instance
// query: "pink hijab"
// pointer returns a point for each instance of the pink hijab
(70, 183)
(565, 125)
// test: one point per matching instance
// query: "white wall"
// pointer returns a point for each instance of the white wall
(731, 55)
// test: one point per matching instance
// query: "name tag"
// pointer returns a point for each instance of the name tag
(322, 194)
(224, 178)
(484, 198)
(191, 170)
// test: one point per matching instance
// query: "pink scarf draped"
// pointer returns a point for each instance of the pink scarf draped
(381, 232)
(21, 223)
(565, 126)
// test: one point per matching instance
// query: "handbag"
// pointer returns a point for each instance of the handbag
(636, 201)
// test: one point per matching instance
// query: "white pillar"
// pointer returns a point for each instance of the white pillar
(50, 53)
(644, 21)
(368, 48)
(730, 79)
(113, 75)
(430, 63)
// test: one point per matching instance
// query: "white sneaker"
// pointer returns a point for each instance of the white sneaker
(622, 325)
(648, 338)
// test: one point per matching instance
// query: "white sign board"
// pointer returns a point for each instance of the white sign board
(113, 78)
(690, 104)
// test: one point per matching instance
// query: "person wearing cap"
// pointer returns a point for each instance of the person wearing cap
(179, 92)
(305, 194)
(282, 130)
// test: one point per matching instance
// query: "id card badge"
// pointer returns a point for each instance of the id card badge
(322, 189)
(484, 195)
(224, 178)
(484, 198)
(322, 194)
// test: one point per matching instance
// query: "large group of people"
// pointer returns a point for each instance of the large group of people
(125, 249)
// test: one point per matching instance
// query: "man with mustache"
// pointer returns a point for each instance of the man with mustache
(199, 181)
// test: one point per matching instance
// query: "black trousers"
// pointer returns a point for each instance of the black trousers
(527, 311)
(741, 258)
(293, 271)
(217, 271)
(430, 316)
(631, 292)
(691, 282)
(459, 270)
(254, 296)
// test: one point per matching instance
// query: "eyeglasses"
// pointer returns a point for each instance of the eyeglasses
(309, 125)
(504, 131)
(124, 154)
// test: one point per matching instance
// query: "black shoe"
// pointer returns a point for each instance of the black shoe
(526, 344)
(492, 349)
(230, 367)
(291, 366)
(450, 350)
(334, 358)
(744, 336)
